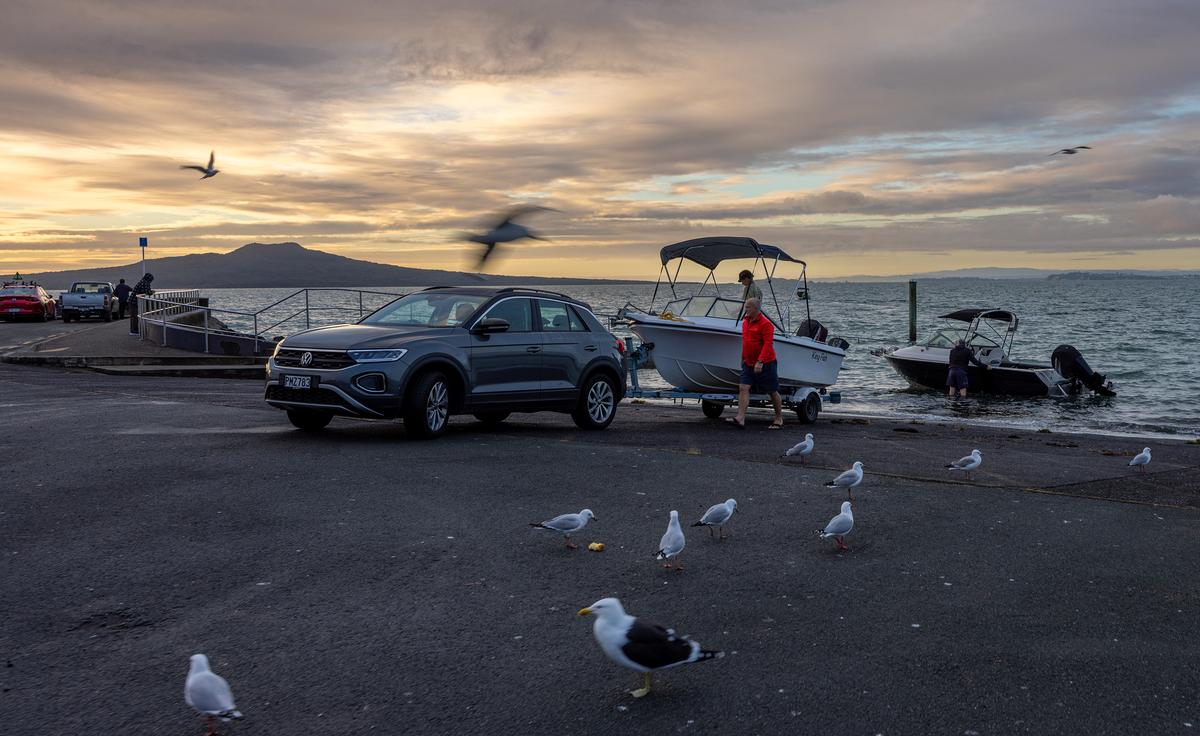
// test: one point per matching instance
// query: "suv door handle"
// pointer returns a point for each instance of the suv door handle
(590, 348)
(533, 349)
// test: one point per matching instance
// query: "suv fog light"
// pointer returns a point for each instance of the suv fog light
(373, 383)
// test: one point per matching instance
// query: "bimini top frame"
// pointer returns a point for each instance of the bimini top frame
(711, 252)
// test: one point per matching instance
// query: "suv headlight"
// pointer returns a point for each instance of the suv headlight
(376, 356)
(278, 346)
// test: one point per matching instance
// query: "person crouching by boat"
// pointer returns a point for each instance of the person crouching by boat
(760, 369)
(961, 357)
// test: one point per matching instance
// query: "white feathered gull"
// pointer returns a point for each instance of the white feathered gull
(802, 449)
(641, 647)
(1141, 460)
(208, 693)
(848, 479)
(567, 524)
(967, 464)
(671, 543)
(718, 516)
(839, 526)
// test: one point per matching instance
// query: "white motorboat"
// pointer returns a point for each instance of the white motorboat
(695, 340)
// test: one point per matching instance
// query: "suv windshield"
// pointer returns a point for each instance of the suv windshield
(428, 309)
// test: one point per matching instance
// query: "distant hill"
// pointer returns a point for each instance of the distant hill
(285, 265)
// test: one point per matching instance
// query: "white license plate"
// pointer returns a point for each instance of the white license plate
(297, 381)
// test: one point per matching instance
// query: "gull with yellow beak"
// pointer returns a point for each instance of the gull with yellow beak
(640, 646)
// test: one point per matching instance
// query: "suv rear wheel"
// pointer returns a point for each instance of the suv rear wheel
(427, 406)
(597, 403)
(309, 421)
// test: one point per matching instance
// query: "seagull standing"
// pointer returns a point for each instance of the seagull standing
(1070, 151)
(849, 479)
(567, 524)
(208, 693)
(803, 449)
(506, 231)
(640, 646)
(671, 543)
(1141, 460)
(967, 464)
(839, 526)
(208, 171)
(718, 516)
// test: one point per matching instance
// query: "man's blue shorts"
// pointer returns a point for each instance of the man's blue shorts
(761, 383)
(957, 377)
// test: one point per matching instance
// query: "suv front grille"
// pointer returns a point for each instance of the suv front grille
(321, 360)
(307, 396)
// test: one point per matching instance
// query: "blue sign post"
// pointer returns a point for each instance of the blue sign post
(143, 243)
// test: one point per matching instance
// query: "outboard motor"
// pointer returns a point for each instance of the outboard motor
(1070, 364)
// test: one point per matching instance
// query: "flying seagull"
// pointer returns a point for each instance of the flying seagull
(718, 516)
(1141, 460)
(208, 693)
(848, 479)
(208, 171)
(1070, 151)
(801, 450)
(506, 231)
(671, 543)
(839, 526)
(567, 524)
(640, 646)
(967, 464)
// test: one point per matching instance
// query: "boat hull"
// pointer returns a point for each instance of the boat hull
(705, 358)
(1011, 380)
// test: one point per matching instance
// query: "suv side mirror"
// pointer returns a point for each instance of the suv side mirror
(490, 324)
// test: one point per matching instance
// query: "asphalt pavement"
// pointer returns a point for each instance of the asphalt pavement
(355, 581)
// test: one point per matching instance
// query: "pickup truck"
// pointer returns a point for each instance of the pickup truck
(89, 299)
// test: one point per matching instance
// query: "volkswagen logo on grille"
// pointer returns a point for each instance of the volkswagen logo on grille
(306, 360)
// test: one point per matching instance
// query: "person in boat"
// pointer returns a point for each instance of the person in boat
(750, 289)
(961, 357)
(760, 369)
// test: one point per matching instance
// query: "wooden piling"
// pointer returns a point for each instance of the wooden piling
(912, 311)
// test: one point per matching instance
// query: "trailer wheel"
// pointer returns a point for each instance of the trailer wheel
(808, 409)
(712, 409)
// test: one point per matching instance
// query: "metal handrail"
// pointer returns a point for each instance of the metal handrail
(170, 307)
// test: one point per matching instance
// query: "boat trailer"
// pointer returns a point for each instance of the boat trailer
(806, 401)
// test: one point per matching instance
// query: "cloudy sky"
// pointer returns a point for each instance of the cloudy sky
(869, 136)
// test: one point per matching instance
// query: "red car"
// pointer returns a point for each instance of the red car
(26, 300)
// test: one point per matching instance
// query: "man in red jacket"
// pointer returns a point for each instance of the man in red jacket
(760, 369)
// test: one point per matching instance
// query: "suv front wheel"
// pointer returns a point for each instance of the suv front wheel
(427, 407)
(597, 403)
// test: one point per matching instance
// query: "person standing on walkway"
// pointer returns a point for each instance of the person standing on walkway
(760, 369)
(122, 291)
(961, 357)
(750, 290)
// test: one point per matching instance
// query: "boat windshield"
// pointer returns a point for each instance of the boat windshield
(949, 338)
(705, 306)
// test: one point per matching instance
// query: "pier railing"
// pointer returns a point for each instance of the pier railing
(184, 317)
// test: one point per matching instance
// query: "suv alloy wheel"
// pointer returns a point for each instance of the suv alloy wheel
(427, 408)
(597, 403)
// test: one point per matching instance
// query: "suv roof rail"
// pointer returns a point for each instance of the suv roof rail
(534, 290)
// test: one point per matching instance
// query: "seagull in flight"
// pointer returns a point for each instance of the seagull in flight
(506, 231)
(1070, 151)
(208, 171)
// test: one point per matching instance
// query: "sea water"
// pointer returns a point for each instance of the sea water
(1141, 333)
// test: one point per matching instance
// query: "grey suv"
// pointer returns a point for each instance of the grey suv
(445, 350)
